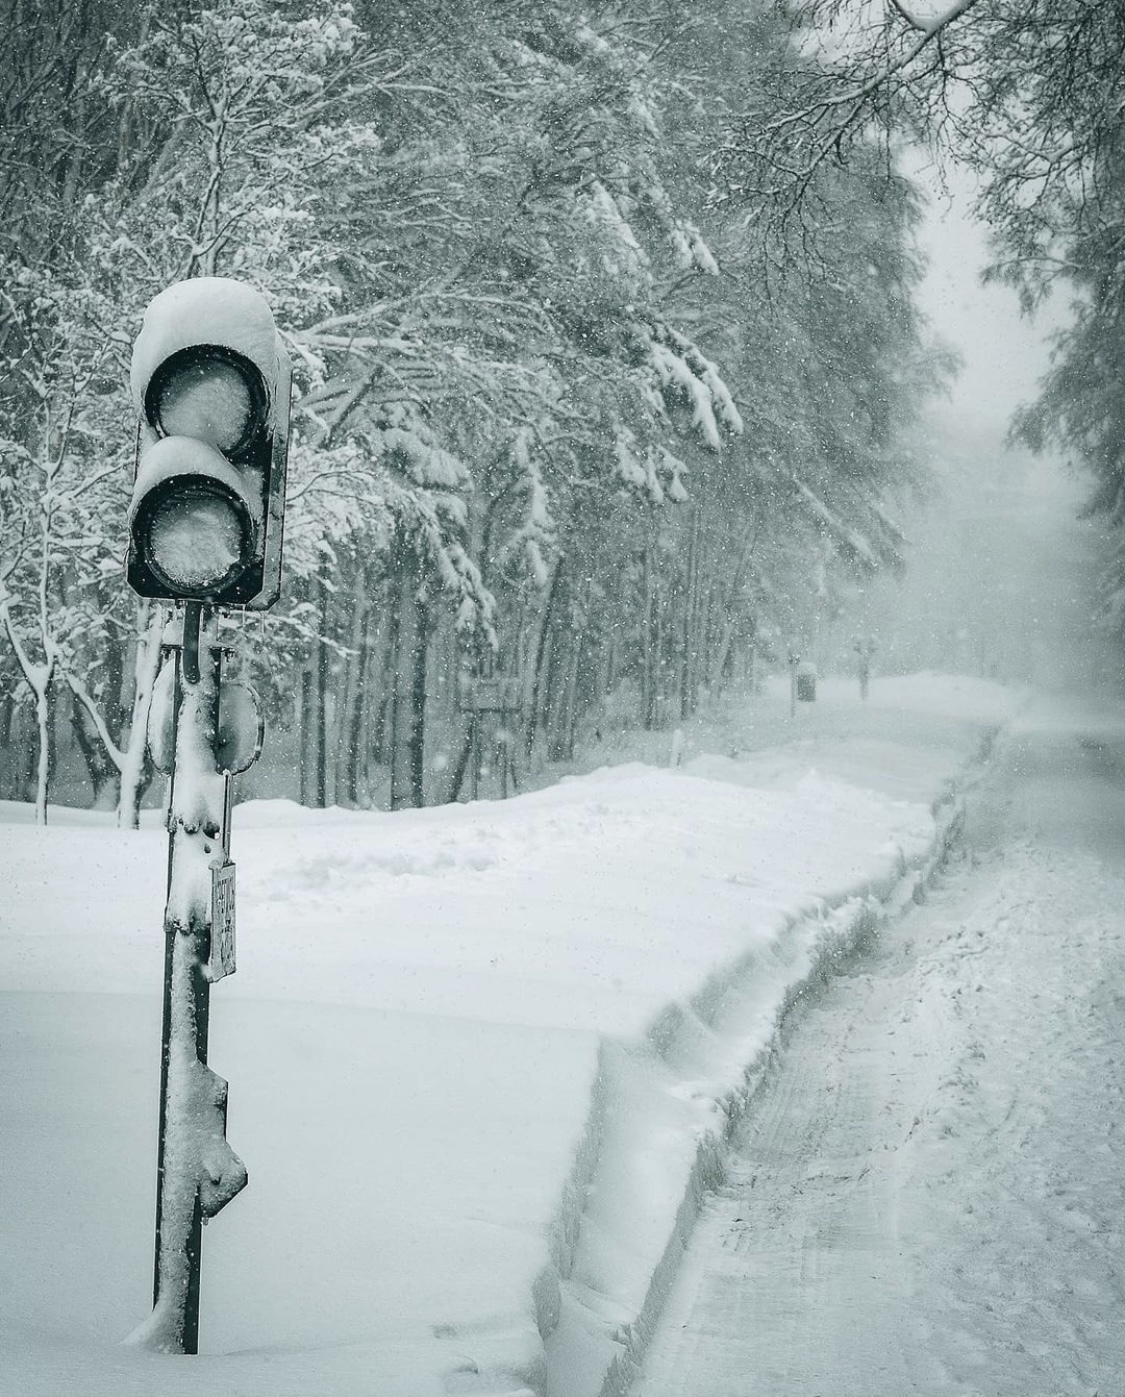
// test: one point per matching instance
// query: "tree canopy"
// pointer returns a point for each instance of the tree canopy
(562, 413)
(1027, 97)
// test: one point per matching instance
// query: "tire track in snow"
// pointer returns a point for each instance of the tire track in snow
(808, 1205)
(927, 1196)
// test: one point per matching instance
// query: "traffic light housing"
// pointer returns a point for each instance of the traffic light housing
(211, 383)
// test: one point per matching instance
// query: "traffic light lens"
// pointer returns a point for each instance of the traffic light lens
(208, 401)
(197, 539)
(210, 393)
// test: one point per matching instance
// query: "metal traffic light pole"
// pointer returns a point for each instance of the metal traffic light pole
(197, 1171)
(210, 379)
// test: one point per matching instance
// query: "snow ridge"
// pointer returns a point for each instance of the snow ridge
(634, 1194)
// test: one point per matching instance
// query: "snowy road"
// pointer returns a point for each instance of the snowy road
(927, 1197)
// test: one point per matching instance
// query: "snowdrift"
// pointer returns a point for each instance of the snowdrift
(481, 1058)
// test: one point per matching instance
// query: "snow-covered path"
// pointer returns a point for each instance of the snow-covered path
(927, 1196)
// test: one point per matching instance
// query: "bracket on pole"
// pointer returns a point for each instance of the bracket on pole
(193, 623)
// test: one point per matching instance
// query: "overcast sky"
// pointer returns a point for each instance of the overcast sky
(1004, 353)
(1000, 560)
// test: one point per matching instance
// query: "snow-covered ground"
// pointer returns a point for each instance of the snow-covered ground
(482, 1058)
(927, 1198)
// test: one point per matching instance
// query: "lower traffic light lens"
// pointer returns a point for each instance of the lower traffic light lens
(197, 538)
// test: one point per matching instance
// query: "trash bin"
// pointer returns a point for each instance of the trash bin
(806, 683)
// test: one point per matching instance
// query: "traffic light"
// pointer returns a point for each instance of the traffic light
(211, 380)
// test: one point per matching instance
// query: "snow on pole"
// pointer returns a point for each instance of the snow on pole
(197, 1173)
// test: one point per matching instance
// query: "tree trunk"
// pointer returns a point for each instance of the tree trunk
(151, 619)
(649, 647)
(99, 766)
(538, 708)
(468, 746)
(314, 685)
(320, 684)
(408, 706)
(45, 764)
(25, 784)
(730, 612)
(423, 629)
(579, 646)
(658, 676)
(689, 633)
(392, 610)
(567, 655)
(558, 689)
(350, 716)
(7, 744)
(314, 680)
(306, 738)
(357, 739)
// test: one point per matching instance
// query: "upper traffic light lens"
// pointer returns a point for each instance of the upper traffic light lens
(209, 393)
(197, 537)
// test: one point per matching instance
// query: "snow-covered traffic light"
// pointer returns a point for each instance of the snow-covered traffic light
(210, 379)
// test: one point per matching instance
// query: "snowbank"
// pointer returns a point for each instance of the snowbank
(480, 1057)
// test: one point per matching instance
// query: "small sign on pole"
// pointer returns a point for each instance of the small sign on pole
(222, 920)
(502, 696)
(495, 694)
